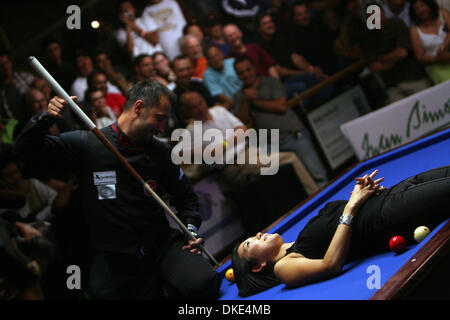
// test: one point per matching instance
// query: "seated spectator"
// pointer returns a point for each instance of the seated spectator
(170, 21)
(103, 63)
(143, 69)
(310, 39)
(85, 66)
(265, 64)
(163, 70)
(182, 66)
(13, 87)
(352, 32)
(214, 35)
(62, 71)
(42, 85)
(39, 196)
(396, 9)
(294, 79)
(139, 36)
(5, 148)
(70, 119)
(116, 101)
(220, 118)
(36, 103)
(191, 46)
(101, 114)
(185, 80)
(388, 51)
(262, 102)
(431, 39)
(220, 77)
(280, 12)
(195, 30)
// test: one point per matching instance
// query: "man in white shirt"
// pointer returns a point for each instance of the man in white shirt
(170, 21)
(85, 66)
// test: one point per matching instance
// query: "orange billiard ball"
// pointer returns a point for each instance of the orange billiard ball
(230, 275)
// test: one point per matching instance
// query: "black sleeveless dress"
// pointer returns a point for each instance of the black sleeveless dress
(421, 200)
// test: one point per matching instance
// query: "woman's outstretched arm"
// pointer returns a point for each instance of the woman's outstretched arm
(295, 270)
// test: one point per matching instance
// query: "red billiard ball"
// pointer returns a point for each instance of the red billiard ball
(397, 244)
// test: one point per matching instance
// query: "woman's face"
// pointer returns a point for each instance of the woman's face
(263, 247)
(422, 10)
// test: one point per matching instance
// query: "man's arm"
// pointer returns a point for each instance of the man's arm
(40, 151)
(278, 105)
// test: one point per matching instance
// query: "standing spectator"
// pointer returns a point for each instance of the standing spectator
(101, 114)
(265, 64)
(262, 101)
(388, 51)
(116, 101)
(220, 77)
(139, 35)
(191, 46)
(170, 21)
(61, 70)
(163, 70)
(431, 39)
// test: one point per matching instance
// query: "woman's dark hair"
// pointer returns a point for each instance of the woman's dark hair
(247, 281)
(434, 10)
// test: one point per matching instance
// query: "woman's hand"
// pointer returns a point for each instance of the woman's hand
(365, 187)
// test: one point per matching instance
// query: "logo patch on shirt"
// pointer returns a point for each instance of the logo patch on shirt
(152, 184)
(106, 184)
(104, 177)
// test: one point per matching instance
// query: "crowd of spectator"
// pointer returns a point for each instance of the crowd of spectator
(233, 68)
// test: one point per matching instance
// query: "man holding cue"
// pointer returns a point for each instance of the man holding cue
(145, 257)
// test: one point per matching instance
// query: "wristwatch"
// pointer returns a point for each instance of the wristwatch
(346, 219)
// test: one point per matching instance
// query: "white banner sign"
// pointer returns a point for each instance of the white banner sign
(399, 123)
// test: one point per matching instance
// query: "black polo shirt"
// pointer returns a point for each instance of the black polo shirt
(120, 215)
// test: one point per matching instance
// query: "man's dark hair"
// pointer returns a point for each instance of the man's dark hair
(137, 60)
(177, 58)
(431, 4)
(208, 47)
(300, 3)
(92, 75)
(149, 91)
(87, 94)
(242, 59)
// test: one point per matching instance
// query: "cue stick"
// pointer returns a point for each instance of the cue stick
(60, 92)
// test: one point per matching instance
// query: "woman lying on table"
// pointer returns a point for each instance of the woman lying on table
(344, 231)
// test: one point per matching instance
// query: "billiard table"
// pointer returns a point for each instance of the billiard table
(384, 276)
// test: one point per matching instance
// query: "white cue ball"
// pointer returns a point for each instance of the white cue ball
(421, 233)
